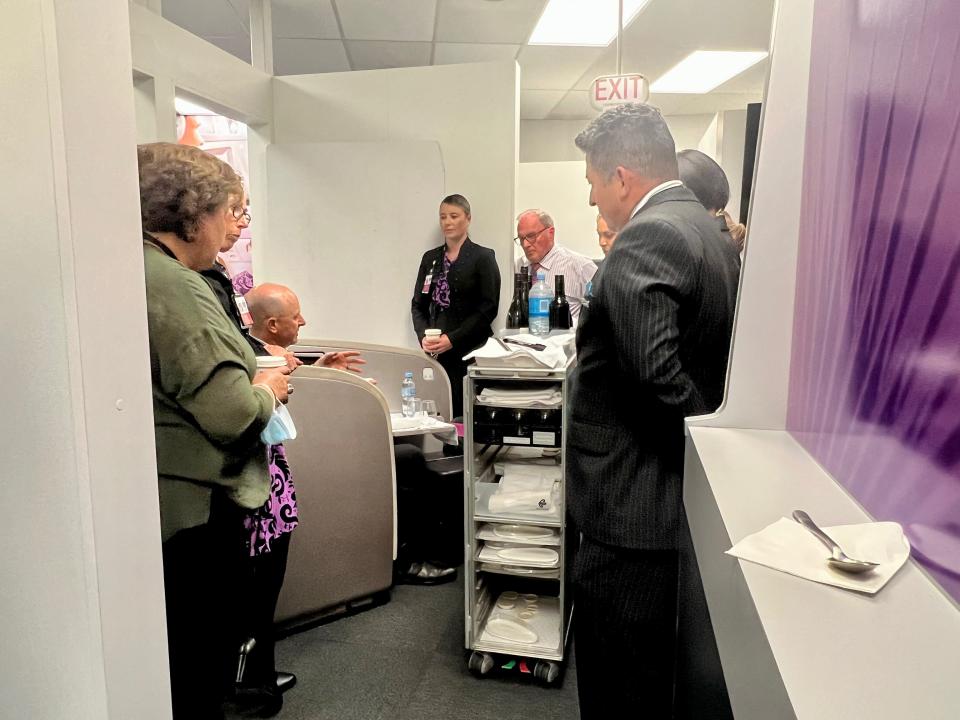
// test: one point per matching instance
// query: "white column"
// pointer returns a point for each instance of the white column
(151, 5)
(83, 631)
(261, 36)
(154, 104)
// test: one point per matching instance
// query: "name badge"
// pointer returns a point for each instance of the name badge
(245, 317)
(426, 284)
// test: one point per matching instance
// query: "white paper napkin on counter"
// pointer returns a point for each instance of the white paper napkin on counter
(789, 547)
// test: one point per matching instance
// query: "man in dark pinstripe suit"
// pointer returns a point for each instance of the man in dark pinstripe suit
(652, 348)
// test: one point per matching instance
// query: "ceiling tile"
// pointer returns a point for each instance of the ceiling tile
(537, 104)
(544, 67)
(303, 56)
(751, 80)
(236, 45)
(487, 22)
(375, 54)
(211, 17)
(303, 19)
(387, 19)
(452, 53)
(714, 102)
(574, 105)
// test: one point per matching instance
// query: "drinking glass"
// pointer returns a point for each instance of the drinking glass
(430, 408)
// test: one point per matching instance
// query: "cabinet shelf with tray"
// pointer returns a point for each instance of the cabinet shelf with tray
(517, 548)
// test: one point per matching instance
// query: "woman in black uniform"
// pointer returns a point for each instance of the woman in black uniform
(457, 292)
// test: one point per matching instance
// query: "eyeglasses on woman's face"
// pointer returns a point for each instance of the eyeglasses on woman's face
(240, 213)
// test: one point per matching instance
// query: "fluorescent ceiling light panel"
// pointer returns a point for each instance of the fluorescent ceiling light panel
(704, 70)
(187, 107)
(583, 22)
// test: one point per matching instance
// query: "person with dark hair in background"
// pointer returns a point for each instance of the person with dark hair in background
(458, 293)
(605, 236)
(210, 406)
(701, 174)
(652, 349)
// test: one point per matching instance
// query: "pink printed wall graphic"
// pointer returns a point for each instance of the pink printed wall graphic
(226, 139)
(875, 372)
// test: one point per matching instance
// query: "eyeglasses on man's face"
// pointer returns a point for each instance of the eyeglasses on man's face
(240, 212)
(522, 240)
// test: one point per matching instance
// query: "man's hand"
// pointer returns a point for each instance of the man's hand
(292, 361)
(437, 345)
(348, 360)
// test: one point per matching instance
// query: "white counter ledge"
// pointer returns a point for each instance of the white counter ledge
(791, 648)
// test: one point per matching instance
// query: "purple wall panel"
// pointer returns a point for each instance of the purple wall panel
(875, 371)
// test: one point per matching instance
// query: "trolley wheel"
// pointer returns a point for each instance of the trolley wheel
(480, 663)
(546, 672)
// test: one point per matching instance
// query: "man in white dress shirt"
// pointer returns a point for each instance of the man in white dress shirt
(535, 235)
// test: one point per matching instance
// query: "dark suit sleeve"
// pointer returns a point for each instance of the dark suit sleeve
(420, 305)
(642, 287)
(474, 326)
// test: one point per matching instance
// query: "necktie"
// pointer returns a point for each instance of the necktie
(534, 267)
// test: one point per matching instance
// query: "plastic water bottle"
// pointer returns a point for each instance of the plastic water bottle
(540, 298)
(408, 393)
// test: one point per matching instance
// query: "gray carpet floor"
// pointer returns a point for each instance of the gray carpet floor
(405, 660)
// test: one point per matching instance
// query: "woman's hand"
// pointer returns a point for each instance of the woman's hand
(348, 360)
(276, 380)
(292, 361)
(436, 345)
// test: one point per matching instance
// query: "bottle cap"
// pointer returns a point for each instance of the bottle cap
(408, 374)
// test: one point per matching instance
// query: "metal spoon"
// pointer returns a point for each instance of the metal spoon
(838, 559)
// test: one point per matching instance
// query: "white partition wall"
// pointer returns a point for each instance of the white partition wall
(470, 111)
(561, 189)
(345, 223)
(81, 595)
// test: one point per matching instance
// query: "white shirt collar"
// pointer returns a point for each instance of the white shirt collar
(659, 188)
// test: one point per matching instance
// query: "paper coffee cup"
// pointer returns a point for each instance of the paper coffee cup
(432, 332)
(270, 361)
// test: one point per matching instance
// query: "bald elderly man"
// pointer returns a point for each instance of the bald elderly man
(276, 325)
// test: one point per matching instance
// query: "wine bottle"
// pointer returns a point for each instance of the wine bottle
(515, 318)
(525, 295)
(560, 318)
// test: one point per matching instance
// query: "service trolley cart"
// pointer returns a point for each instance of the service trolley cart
(517, 607)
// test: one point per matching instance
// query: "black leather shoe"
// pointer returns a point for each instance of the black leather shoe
(285, 681)
(424, 573)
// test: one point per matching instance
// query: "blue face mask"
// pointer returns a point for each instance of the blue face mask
(280, 427)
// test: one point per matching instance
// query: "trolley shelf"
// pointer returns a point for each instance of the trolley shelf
(515, 631)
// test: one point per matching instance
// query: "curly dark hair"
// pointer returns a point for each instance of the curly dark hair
(179, 185)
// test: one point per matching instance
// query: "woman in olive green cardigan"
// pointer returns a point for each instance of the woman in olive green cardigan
(210, 406)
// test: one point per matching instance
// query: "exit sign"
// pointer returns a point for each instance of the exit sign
(610, 90)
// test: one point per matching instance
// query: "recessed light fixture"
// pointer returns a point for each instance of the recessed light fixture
(188, 107)
(704, 70)
(579, 22)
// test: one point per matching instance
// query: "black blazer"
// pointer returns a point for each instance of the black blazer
(652, 349)
(474, 281)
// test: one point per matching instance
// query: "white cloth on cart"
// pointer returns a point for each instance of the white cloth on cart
(558, 349)
(549, 397)
(524, 488)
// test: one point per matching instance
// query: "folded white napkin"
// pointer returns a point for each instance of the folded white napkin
(791, 548)
(558, 349)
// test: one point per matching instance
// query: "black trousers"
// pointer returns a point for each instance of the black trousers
(266, 581)
(202, 575)
(456, 370)
(429, 512)
(625, 620)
